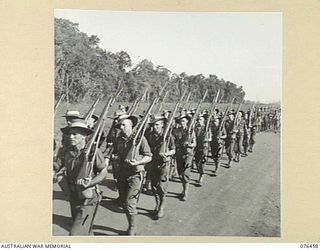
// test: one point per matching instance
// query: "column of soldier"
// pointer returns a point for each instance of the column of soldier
(149, 149)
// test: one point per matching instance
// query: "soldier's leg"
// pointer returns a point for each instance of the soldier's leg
(173, 167)
(245, 144)
(147, 180)
(186, 174)
(134, 189)
(199, 163)
(216, 156)
(241, 150)
(154, 177)
(228, 148)
(83, 222)
(163, 188)
(122, 187)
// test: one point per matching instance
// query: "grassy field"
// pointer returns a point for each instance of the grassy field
(59, 120)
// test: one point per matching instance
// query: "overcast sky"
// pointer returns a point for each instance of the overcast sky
(245, 48)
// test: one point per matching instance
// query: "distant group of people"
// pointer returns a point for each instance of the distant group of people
(162, 153)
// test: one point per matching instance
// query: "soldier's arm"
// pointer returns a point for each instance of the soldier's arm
(58, 161)
(145, 152)
(172, 147)
(193, 141)
(101, 166)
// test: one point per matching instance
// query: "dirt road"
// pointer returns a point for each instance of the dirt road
(243, 200)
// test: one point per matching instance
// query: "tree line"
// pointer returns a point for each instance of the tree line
(83, 71)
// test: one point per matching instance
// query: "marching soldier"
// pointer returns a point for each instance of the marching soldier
(84, 193)
(185, 144)
(239, 126)
(131, 172)
(216, 143)
(230, 138)
(246, 134)
(110, 141)
(201, 146)
(159, 167)
(252, 139)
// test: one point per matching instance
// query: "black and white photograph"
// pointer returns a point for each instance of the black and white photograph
(167, 123)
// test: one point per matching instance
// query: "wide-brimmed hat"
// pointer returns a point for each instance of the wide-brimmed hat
(205, 116)
(133, 118)
(183, 116)
(154, 118)
(205, 111)
(72, 113)
(79, 124)
(166, 111)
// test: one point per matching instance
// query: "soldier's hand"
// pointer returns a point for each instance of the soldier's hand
(84, 182)
(132, 162)
(163, 155)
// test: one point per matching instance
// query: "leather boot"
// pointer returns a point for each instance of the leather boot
(161, 207)
(183, 191)
(156, 209)
(200, 180)
(132, 224)
(186, 190)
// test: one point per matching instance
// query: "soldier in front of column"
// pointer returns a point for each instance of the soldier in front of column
(159, 167)
(185, 144)
(131, 172)
(84, 193)
(201, 146)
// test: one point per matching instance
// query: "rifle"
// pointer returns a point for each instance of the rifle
(138, 134)
(250, 116)
(224, 117)
(133, 107)
(236, 118)
(136, 103)
(158, 109)
(213, 107)
(105, 119)
(186, 101)
(91, 110)
(89, 156)
(193, 120)
(58, 103)
(166, 133)
(223, 121)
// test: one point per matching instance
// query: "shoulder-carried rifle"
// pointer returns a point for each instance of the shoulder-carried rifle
(236, 118)
(58, 103)
(186, 101)
(105, 119)
(250, 116)
(168, 128)
(194, 117)
(90, 152)
(159, 107)
(92, 109)
(136, 103)
(221, 124)
(213, 107)
(138, 134)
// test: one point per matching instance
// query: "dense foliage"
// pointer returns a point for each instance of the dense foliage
(83, 70)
